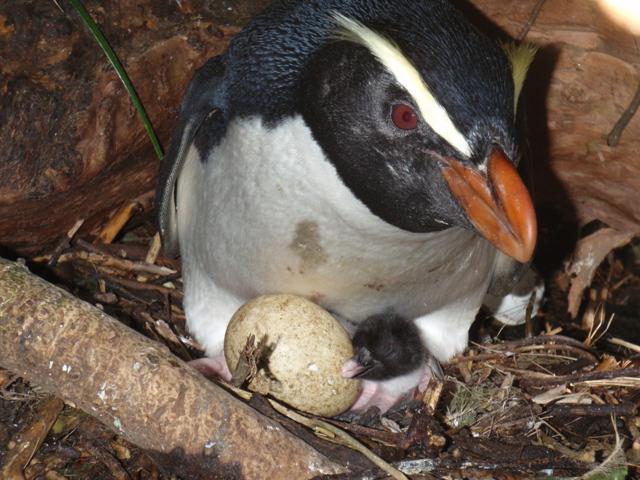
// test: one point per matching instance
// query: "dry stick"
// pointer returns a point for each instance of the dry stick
(132, 284)
(524, 350)
(154, 249)
(542, 339)
(597, 378)
(624, 343)
(31, 438)
(117, 222)
(432, 395)
(553, 444)
(381, 436)
(139, 389)
(528, 322)
(614, 137)
(549, 342)
(152, 254)
(622, 410)
(532, 19)
(569, 349)
(116, 262)
(333, 433)
(64, 243)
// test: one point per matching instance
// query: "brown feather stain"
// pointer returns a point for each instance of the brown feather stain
(306, 244)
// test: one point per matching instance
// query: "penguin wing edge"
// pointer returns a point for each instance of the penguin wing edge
(201, 104)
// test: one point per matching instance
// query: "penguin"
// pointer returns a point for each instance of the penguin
(360, 153)
(389, 352)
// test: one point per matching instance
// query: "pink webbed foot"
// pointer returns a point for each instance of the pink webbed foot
(385, 394)
(374, 395)
(212, 367)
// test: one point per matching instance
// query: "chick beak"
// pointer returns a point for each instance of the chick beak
(352, 369)
(497, 204)
(362, 363)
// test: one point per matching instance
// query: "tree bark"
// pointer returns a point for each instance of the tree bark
(73, 146)
(139, 389)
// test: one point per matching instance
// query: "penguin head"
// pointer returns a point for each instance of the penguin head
(418, 120)
(386, 346)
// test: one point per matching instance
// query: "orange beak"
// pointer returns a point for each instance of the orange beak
(498, 205)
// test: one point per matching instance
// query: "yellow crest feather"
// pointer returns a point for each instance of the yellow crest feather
(390, 56)
(520, 57)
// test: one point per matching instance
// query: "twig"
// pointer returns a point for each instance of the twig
(542, 342)
(154, 249)
(542, 339)
(562, 410)
(64, 243)
(549, 442)
(152, 254)
(116, 262)
(598, 378)
(250, 357)
(117, 222)
(532, 19)
(381, 436)
(432, 395)
(332, 433)
(528, 320)
(614, 136)
(627, 382)
(145, 286)
(624, 343)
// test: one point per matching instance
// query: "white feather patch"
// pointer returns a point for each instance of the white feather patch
(389, 55)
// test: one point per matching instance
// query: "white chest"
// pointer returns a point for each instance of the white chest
(268, 213)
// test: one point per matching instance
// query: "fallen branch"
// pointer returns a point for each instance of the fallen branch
(138, 389)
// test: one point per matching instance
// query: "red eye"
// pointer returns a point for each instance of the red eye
(404, 116)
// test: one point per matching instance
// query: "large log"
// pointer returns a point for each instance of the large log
(139, 389)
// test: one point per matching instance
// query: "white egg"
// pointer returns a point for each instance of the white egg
(307, 349)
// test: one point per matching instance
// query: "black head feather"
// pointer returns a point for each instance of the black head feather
(387, 346)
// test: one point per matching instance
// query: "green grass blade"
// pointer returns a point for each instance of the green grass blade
(124, 78)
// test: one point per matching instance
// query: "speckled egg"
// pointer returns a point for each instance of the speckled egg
(307, 348)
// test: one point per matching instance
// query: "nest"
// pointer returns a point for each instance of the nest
(560, 403)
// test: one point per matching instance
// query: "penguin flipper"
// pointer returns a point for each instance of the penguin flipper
(202, 114)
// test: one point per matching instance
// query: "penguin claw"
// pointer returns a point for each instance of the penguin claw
(212, 367)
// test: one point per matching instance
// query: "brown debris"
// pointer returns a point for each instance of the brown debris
(588, 255)
(29, 440)
(117, 222)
